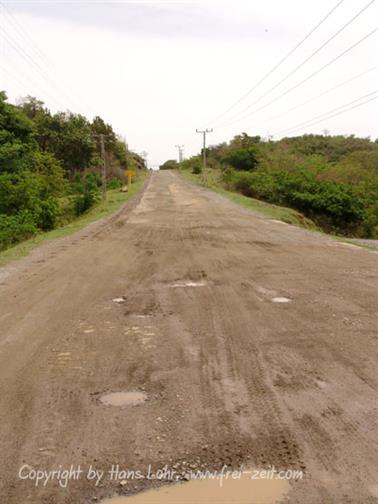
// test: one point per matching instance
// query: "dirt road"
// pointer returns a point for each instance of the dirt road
(253, 341)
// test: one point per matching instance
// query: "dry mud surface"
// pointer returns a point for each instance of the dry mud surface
(178, 300)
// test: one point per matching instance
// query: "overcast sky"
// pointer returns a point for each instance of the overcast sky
(158, 70)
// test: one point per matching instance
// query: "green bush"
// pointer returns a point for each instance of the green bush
(43, 161)
(241, 159)
(86, 190)
(197, 168)
(15, 228)
(332, 180)
(336, 206)
(194, 164)
(114, 183)
(170, 164)
(47, 214)
(84, 202)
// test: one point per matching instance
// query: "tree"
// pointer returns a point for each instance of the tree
(31, 106)
(241, 159)
(69, 137)
(171, 164)
(244, 141)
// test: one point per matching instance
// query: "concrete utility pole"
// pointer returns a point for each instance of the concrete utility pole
(180, 152)
(103, 155)
(204, 132)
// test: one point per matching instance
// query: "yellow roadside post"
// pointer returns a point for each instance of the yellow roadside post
(130, 174)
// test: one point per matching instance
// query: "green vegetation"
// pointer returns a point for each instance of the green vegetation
(115, 199)
(331, 181)
(49, 167)
(171, 164)
(214, 182)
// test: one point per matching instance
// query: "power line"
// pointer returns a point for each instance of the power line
(292, 72)
(28, 78)
(22, 31)
(333, 112)
(16, 78)
(329, 90)
(333, 60)
(14, 44)
(35, 64)
(275, 67)
(342, 112)
(78, 98)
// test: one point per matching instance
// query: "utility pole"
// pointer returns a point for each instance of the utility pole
(180, 152)
(103, 155)
(204, 132)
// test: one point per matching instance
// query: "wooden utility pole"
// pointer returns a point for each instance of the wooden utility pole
(204, 132)
(103, 156)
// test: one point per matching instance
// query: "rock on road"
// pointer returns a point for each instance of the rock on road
(254, 342)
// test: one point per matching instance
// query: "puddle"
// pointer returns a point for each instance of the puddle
(281, 300)
(189, 284)
(119, 300)
(123, 398)
(243, 490)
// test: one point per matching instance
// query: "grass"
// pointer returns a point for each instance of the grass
(276, 212)
(115, 199)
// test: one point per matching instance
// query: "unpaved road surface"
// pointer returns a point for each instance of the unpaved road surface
(231, 377)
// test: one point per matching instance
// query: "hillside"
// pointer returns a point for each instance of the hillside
(332, 180)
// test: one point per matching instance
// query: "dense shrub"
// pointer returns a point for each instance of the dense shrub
(193, 164)
(241, 159)
(197, 168)
(43, 161)
(87, 193)
(114, 183)
(336, 206)
(170, 164)
(332, 180)
(28, 191)
(14, 228)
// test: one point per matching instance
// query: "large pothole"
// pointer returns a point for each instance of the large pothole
(123, 398)
(188, 283)
(281, 300)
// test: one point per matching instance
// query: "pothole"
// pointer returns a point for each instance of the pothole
(119, 300)
(281, 300)
(63, 355)
(240, 490)
(123, 398)
(189, 283)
